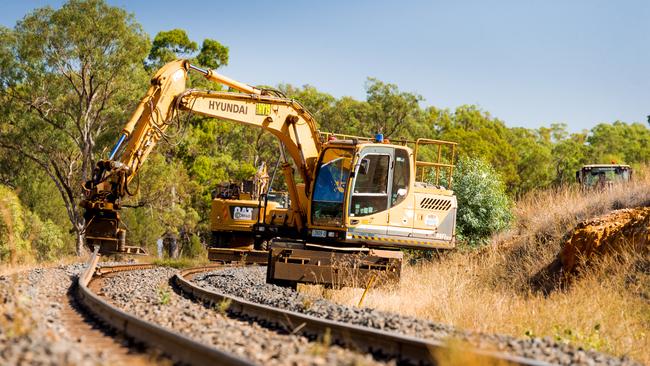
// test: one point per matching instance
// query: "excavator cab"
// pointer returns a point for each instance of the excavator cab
(369, 193)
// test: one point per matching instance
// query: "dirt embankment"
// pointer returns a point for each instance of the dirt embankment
(619, 232)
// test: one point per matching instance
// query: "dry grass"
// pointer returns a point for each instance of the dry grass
(500, 288)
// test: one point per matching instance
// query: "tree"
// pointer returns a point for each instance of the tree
(620, 142)
(169, 45)
(163, 202)
(568, 155)
(535, 161)
(23, 235)
(213, 54)
(209, 152)
(66, 76)
(483, 137)
(391, 111)
(316, 102)
(174, 44)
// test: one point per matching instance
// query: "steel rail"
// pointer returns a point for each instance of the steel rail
(177, 346)
(406, 349)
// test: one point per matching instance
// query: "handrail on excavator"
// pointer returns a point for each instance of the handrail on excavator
(438, 165)
(421, 166)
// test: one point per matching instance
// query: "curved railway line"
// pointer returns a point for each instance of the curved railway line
(381, 344)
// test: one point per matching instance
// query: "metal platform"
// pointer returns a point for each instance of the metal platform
(333, 268)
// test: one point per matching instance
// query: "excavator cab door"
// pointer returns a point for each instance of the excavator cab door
(370, 190)
(400, 219)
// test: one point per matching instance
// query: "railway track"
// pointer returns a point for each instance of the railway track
(382, 345)
(176, 345)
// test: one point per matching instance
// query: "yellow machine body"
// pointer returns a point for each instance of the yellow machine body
(350, 199)
(232, 220)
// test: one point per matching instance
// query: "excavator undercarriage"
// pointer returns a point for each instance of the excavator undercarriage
(309, 263)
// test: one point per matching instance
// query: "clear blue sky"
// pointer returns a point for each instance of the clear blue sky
(529, 63)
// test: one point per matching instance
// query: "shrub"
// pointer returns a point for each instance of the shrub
(193, 248)
(13, 246)
(23, 235)
(47, 239)
(483, 205)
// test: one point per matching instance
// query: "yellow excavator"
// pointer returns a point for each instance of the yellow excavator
(354, 202)
(236, 209)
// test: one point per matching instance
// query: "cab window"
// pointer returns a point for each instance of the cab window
(329, 188)
(370, 192)
(401, 177)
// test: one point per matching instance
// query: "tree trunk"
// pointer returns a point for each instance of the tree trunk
(80, 248)
(173, 247)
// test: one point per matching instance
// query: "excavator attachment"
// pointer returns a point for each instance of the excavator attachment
(102, 230)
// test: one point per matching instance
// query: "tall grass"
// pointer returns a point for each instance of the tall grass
(497, 288)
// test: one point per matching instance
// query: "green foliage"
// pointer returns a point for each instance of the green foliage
(24, 236)
(163, 202)
(568, 156)
(620, 142)
(71, 73)
(481, 136)
(169, 45)
(164, 295)
(534, 165)
(391, 111)
(483, 205)
(175, 44)
(222, 306)
(589, 340)
(179, 263)
(47, 241)
(13, 246)
(194, 248)
(213, 54)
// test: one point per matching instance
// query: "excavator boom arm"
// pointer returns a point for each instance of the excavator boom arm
(167, 95)
(284, 118)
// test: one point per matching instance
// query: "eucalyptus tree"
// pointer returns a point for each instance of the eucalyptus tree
(67, 76)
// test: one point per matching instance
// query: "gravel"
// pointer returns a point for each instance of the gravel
(249, 283)
(31, 329)
(147, 294)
